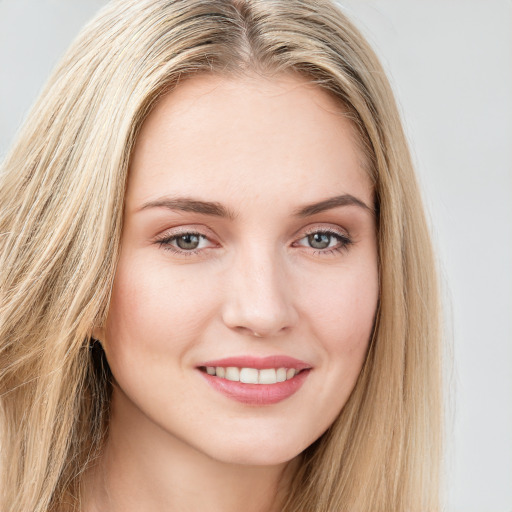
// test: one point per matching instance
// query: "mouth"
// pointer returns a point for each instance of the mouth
(256, 381)
(246, 375)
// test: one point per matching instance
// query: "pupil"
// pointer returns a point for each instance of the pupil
(188, 241)
(319, 240)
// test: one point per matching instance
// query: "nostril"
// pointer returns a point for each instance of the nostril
(254, 333)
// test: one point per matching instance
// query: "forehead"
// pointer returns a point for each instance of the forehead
(216, 134)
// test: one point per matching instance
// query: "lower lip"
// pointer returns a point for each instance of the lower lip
(257, 394)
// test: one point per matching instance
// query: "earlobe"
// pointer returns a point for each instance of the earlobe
(98, 333)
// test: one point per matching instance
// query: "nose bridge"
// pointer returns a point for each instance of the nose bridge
(260, 298)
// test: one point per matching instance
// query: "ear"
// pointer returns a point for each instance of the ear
(98, 333)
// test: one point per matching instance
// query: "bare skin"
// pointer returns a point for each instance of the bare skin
(200, 483)
(257, 272)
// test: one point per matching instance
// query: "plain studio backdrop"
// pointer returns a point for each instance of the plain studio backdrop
(450, 63)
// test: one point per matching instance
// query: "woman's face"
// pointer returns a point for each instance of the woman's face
(248, 252)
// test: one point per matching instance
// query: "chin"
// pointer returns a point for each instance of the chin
(257, 453)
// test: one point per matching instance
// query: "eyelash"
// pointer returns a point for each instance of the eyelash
(343, 239)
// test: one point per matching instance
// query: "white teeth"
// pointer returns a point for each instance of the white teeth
(281, 374)
(252, 375)
(267, 376)
(232, 373)
(249, 375)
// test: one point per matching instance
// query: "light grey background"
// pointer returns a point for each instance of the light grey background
(450, 62)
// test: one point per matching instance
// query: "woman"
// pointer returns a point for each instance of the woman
(218, 288)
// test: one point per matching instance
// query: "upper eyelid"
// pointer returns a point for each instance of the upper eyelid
(339, 231)
(185, 230)
(171, 235)
(180, 230)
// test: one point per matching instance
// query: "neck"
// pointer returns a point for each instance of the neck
(144, 468)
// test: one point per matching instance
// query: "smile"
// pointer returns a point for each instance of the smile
(252, 375)
(256, 381)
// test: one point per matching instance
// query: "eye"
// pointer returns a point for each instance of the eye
(325, 241)
(188, 241)
(320, 240)
(185, 242)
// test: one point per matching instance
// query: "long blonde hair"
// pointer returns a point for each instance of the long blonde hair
(61, 203)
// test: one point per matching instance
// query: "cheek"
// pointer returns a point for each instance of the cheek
(152, 305)
(342, 311)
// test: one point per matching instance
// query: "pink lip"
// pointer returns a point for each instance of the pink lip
(260, 363)
(257, 394)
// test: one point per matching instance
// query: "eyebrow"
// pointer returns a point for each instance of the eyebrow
(333, 202)
(187, 204)
(213, 208)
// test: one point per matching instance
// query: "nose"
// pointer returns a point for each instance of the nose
(259, 296)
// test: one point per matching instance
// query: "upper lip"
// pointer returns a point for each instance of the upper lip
(259, 363)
